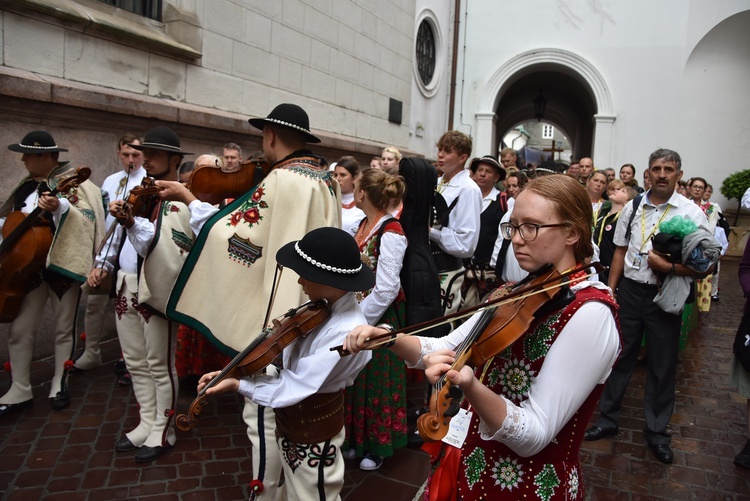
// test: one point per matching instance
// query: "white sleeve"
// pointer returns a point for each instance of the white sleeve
(499, 239)
(108, 254)
(387, 276)
(200, 212)
(62, 208)
(449, 342)
(721, 237)
(460, 237)
(581, 357)
(141, 234)
(746, 199)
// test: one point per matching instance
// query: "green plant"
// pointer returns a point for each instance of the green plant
(734, 186)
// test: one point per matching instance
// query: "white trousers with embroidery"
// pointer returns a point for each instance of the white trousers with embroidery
(261, 430)
(148, 344)
(23, 331)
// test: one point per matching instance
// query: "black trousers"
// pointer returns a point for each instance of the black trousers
(639, 315)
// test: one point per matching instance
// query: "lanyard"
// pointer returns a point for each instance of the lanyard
(598, 208)
(644, 238)
(604, 223)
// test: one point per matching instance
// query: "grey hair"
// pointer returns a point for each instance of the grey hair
(669, 155)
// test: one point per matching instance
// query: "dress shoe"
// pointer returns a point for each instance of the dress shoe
(60, 401)
(8, 409)
(148, 454)
(662, 452)
(597, 433)
(124, 445)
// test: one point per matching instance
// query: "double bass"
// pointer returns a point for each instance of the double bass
(212, 185)
(23, 253)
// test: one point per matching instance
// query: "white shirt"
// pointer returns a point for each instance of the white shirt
(460, 237)
(580, 358)
(387, 274)
(677, 205)
(350, 218)
(115, 187)
(511, 271)
(746, 199)
(491, 196)
(309, 365)
(139, 238)
(200, 212)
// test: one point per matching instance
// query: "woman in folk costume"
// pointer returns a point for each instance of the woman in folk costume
(703, 286)
(527, 407)
(376, 404)
(76, 220)
(346, 172)
(152, 252)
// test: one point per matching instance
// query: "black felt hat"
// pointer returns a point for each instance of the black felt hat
(287, 115)
(488, 160)
(328, 256)
(36, 142)
(161, 138)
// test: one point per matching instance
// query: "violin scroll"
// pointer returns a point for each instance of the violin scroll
(187, 422)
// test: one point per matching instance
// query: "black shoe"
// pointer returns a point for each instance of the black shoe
(60, 401)
(125, 380)
(8, 409)
(148, 454)
(124, 445)
(120, 368)
(715, 297)
(662, 452)
(743, 458)
(597, 433)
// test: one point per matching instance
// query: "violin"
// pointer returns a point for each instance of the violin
(294, 324)
(23, 252)
(496, 329)
(212, 185)
(142, 199)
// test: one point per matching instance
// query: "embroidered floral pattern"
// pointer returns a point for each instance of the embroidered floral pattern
(293, 453)
(250, 210)
(494, 376)
(121, 306)
(183, 241)
(145, 313)
(536, 345)
(311, 168)
(168, 207)
(516, 378)
(507, 473)
(317, 455)
(546, 482)
(475, 465)
(88, 214)
(574, 483)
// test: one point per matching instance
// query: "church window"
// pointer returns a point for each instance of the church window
(548, 131)
(426, 52)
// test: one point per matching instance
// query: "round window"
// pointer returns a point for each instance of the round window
(426, 52)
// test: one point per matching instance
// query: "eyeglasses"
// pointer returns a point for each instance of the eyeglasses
(528, 231)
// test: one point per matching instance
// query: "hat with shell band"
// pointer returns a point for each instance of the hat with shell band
(328, 256)
(163, 139)
(36, 142)
(287, 115)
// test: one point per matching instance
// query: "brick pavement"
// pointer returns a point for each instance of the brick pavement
(68, 454)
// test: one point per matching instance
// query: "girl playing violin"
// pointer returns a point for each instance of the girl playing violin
(526, 408)
(307, 395)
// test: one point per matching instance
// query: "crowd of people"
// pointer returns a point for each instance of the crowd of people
(497, 232)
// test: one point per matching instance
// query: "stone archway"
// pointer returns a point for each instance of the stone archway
(569, 66)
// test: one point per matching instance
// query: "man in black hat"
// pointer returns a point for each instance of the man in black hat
(76, 221)
(233, 264)
(480, 277)
(307, 396)
(152, 246)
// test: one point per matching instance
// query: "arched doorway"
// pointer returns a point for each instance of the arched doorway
(578, 101)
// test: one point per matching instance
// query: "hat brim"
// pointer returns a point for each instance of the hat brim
(160, 147)
(500, 170)
(260, 123)
(363, 280)
(18, 148)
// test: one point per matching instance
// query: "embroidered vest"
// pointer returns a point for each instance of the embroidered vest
(490, 469)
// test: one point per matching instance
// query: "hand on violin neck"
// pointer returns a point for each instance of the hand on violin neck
(122, 212)
(438, 363)
(175, 191)
(48, 203)
(225, 385)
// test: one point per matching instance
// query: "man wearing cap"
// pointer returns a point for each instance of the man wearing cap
(480, 277)
(233, 258)
(76, 220)
(152, 245)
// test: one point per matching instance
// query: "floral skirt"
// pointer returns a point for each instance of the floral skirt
(195, 355)
(375, 405)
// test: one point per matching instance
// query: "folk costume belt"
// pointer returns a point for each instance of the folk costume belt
(316, 419)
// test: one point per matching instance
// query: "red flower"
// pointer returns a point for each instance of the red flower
(68, 364)
(236, 218)
(258, 194)
(173, 208)
(251, 215)
(83, 336)
(384, 437)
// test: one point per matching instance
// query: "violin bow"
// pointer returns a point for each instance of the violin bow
(383, 339)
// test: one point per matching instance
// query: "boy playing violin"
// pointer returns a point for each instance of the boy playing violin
(307, 394)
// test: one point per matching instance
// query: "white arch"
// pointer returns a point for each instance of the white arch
(490, 97)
